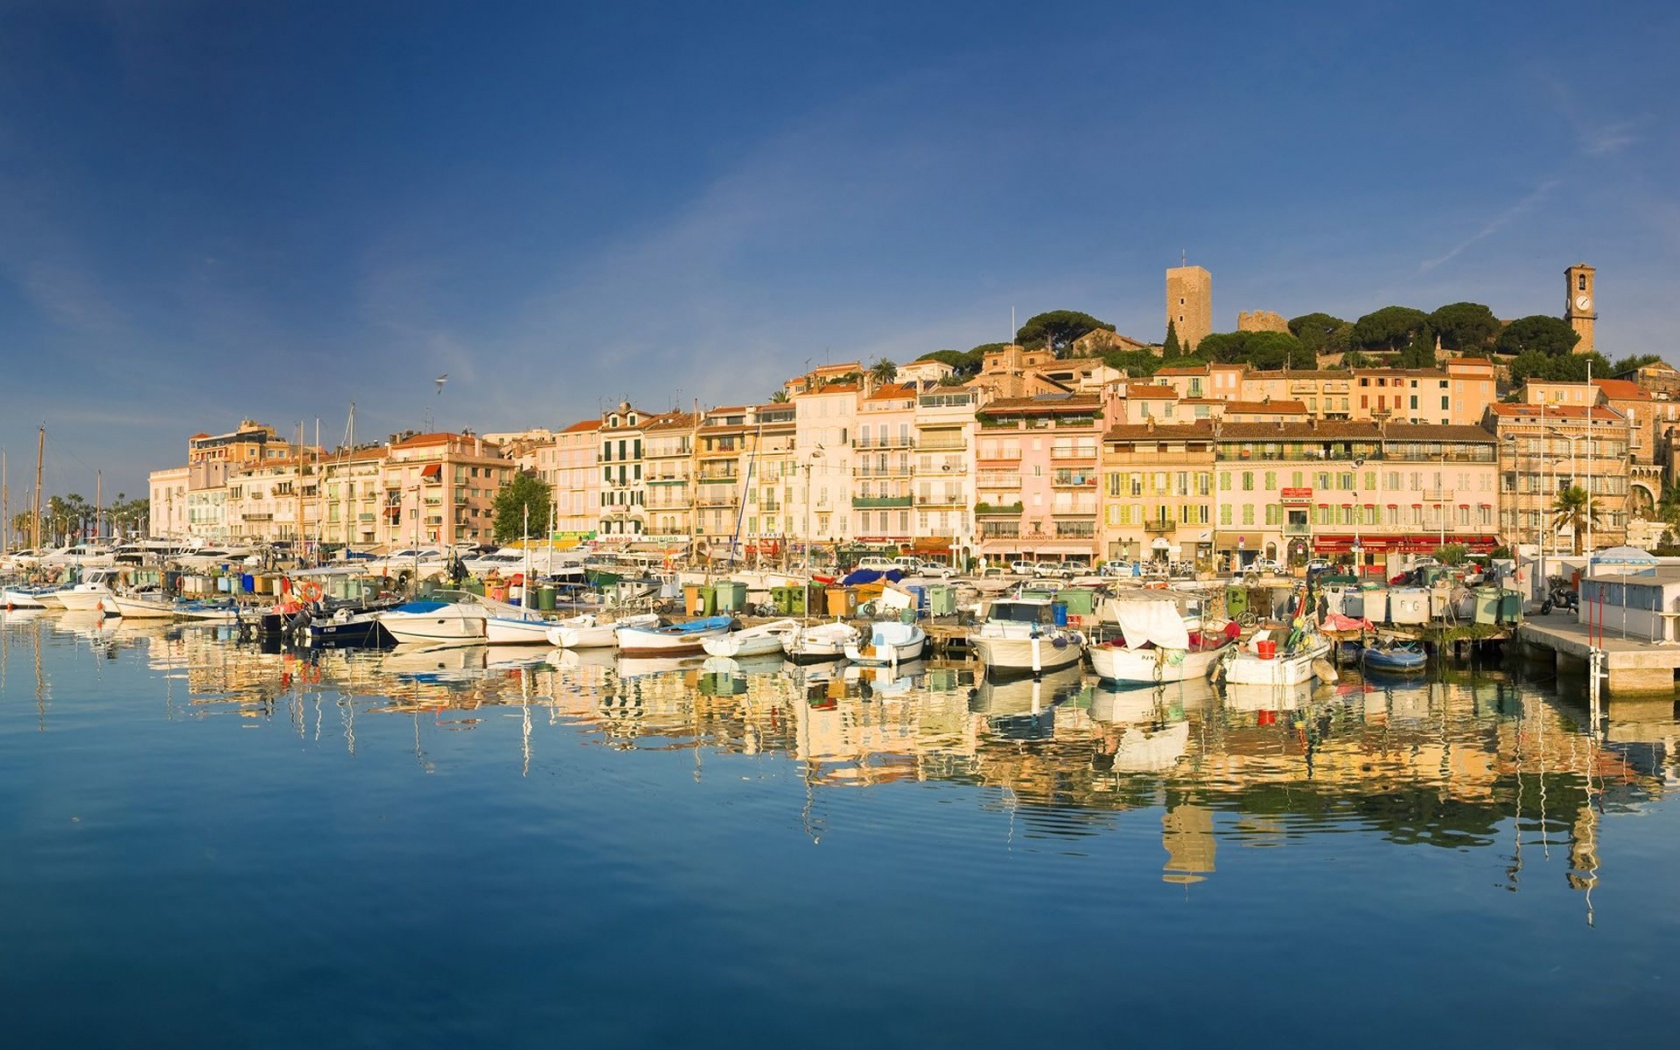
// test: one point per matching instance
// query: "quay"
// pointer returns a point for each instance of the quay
(1633, 666)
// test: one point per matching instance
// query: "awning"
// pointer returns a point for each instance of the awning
(931, 545)
(1252, 541)
(1159, 544)
(431, 471)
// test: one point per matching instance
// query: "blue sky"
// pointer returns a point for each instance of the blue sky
(214, 211)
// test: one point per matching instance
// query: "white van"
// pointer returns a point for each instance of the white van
(877, 563)
(909, 563)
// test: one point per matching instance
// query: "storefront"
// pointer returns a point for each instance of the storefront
(1373, 551)
(1243, 548)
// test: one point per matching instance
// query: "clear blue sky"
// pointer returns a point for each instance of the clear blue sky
(211, 211)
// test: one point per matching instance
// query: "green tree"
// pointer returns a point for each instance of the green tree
(525, 492)
(1315, 331)
(1420, 352)
(1135, 363)
(1569, 368)
(1273, 350)
(883, 371)
(780, 397)
(1574, 509)
(1548, 335)
(1391, 328)
(967, 363)
(1057, 329)
(1628, 364)
(1465, 326)
(1171, 348)
(1224, 347)
(1452, 554)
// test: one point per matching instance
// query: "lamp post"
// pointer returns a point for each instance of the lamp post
(1358, 547)
(810, 462)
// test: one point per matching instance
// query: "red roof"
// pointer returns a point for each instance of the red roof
(578, 428)
(1507, 410)
(1621, 390)
(1147, 391)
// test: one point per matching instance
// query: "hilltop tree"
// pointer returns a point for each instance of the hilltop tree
(1628, 364)
(965, 362)
(1464, 326)
(1057, 329)
(1316, 330)
(1568, 368)
(1171, 348)
(1271, 350)
(1548, 335)
(1391, 328)
(525, 492)
(883, 371)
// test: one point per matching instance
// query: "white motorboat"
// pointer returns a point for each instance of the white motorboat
(762, 640)
(890, 642)
(443, 618)
(1021, 635)
(677, 639)
(155, 606)
(86, 595)
(589, 631)
(1156, 643)
(822, 641)
(1263, 662)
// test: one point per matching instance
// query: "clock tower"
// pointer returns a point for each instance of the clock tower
(1580, 309)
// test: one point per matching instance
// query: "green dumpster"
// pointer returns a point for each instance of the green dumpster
(1510, 607)
(1236, 602)
(731, 595)
(1487, 604)
(1079, 602)
(545, 598)
(942, 600)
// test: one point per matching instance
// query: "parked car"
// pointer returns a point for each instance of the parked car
(1262, 565)
(1318, 565)
(1023, 568)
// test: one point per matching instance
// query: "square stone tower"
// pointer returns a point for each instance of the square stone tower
(1580, 308)
(1190, 303)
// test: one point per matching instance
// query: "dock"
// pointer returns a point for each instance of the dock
(1633, 666)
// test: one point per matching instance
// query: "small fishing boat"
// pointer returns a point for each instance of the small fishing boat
(815, 643)
(516, 628)
(677, 639)
(1395, 658)
(86, 595)
(1263, 662)
(345, 629)
(1020, 635)
(588, 631)
(890, 643)
(23, 598)
(762, 640)
(154, 606)
(1156, 643)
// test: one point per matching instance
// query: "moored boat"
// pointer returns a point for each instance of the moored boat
(588, 631)
(1263, 662)
(675, 639)
(814, 643)
(443, 618)
(890, 642)
(1395, 658)
(1157, 644)
(762, 640)
(1020, 635)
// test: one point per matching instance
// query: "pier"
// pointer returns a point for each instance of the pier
(1633, 666)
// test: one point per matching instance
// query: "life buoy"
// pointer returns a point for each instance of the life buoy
(311, 591)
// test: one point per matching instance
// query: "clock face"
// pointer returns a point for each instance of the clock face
(1583, 302)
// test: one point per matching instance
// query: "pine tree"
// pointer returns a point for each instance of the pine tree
(1171, 348)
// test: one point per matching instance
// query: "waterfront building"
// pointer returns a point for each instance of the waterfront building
(440, 489)
(720, 468)
(1037, 476)
(577, 479)
(769, 476)
(623, 511)
(944, 469)
(1547, 446)
(1222, 382)
(167, 491)
(1157, 492)
(883, 446)
(1475, 385)
(668, 452)
(273, 499)
(353, 491)
(826, 417)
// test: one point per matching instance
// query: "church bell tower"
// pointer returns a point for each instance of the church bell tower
(1581, 309)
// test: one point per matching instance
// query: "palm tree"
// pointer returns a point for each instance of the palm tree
(1574, 509)
(884, 371)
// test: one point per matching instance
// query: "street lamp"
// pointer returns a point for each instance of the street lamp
(1358, 548)
(810, 461)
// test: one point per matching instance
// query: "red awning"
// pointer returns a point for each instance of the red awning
(431, 470)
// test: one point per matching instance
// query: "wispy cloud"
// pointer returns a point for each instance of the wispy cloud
(1495, 224)
(1593, 137)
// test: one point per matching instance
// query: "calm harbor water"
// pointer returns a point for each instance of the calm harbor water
(205, 844)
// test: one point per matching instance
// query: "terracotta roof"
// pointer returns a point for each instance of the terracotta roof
(1047, 404)
(1526, 412)
(1320, 430)
(1183, 370)
(1416, 373)
(1438, 432)
(670, 421)
(1161, 432)
(893, 391)
(201, 435)
(1239, 407)
(1621, 390)
(581, 427)
(439, 438)
(1143, 390)
(833, 388)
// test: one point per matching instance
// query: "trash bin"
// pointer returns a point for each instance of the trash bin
(907, 616)
(691, 599)
(842, 601)
(1059, 613)
(942, 600)
(247, 583)
(920, 592)
(1236, 602)
(1510, 607)
(731, 595)
(816, 598)
(545, 598)
(472, 585)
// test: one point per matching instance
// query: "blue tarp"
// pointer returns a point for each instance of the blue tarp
(858, 576)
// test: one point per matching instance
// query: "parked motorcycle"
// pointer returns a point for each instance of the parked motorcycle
(1559, 595)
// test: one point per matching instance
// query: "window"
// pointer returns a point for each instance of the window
(1248, 514)
(1248, 485)
(1446, 402)
(1580, 284)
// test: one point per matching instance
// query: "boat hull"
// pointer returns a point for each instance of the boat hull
(1247, 668)
(1384, 662)
(1003, 655)
(84, 601)
(820, 643)
(20, 600)
(890, 644)
(508, 630)
(676, 640)
(1148, 666)
(434, 627)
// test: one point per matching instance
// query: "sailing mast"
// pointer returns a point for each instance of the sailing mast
(40, 455)
(98, 505)
(5, 507)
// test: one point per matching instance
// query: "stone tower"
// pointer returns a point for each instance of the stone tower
(1190, 303)
(1581, 308)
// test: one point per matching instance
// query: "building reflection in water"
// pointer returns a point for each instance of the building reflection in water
(1477, 761)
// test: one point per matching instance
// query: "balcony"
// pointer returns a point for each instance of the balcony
(1437, 495)
(1074, 510)
(891, 441)
(1303, 529)
(1074, 453)
(1013, 509)
(1076, 530)
(709, 478)
(889, 471)
(942, 444)
(1065, 480)
(717, 499)
(955, 499)
(874, 502)
(1165, 528)
(1000, 530)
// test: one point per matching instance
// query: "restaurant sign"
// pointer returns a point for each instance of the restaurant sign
(1297, 495)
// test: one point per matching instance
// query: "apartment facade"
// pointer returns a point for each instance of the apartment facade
(1157, 492)
(1036, 475)
(1548, 446)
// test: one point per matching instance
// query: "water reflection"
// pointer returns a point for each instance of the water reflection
(1473, 762)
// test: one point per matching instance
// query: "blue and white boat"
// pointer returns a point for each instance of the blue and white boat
(677, 639)
(1397, 658)
(443, 618)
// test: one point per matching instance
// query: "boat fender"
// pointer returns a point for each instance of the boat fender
(1321, 667)
(1059, 642)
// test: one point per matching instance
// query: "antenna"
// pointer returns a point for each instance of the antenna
(1183, 257)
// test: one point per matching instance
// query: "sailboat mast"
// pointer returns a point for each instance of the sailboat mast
(40, 456)
(98, 505)
(5, 507)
